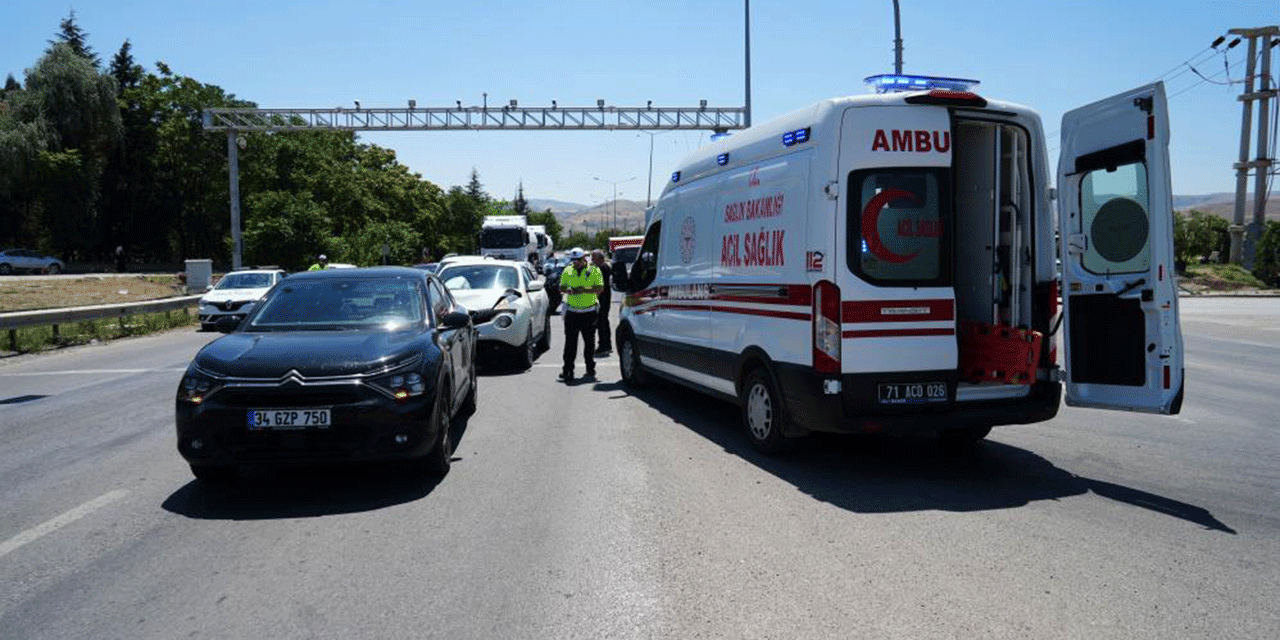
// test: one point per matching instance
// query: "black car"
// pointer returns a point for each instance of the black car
(554, 296)
(338, 365)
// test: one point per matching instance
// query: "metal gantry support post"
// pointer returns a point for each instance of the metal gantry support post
(233, 167)
(1244, 238)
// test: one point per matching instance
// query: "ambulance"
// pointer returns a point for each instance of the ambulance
(889, 263)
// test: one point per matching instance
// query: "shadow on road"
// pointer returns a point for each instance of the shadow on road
(876, 474)
(267, 493)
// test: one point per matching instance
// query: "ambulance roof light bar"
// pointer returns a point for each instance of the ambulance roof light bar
(890, 82)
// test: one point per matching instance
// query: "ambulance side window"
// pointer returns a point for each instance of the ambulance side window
(646, 266)
(1114, 205)
(898, 225)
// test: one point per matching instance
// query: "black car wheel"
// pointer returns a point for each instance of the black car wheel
(437, 462)
(469, 403)
(55, 269)
(5, 269)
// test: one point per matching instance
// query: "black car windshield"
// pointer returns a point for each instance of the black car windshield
(244, 281)
(502, 238)
(479, 276)
(312, 305)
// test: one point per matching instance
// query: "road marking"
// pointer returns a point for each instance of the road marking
(35, 533)
(86, 371)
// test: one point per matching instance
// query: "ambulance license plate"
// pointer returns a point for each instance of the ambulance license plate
(912, 392)
(288, 419)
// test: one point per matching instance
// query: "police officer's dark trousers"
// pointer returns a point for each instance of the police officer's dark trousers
(579, 323)
(602, 324)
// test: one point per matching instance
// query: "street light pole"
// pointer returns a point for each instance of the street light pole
(615, 194)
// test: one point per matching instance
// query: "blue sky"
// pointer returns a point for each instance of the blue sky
(1051, 55)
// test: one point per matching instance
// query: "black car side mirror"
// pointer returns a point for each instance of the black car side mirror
(455, 320)
(227, 324)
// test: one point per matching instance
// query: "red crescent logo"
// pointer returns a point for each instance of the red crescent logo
(871, 224)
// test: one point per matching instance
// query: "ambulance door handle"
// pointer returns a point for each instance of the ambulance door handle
(1077, 243)
(832, 189)
(1131, 286)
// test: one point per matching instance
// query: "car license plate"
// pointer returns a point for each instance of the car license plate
(289, 419)
(912, 392)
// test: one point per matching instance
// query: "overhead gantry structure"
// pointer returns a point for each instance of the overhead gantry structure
(510, 117)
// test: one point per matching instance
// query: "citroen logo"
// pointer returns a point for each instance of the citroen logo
(294, 377)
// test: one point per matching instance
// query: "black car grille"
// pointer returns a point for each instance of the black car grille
(293, 396)
(230, 305)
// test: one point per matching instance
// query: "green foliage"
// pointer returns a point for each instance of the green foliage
(1266, 260)
(70, 34)
(401, 240)
(34, 339)
(1198, 234)
(548, 220)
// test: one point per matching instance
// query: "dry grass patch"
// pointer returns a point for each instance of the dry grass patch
(26, 295)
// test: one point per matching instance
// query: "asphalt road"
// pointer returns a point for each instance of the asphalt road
(589, 512)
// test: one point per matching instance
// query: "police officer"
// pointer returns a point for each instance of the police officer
(321, 264)
(581, 284)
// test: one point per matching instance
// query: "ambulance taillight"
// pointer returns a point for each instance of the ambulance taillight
(826, 327)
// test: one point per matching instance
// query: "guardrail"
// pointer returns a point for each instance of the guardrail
(15, 320)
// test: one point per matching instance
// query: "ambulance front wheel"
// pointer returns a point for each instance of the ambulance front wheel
(633, 374)
(763, 414)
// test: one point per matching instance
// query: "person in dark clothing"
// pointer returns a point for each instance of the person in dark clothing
(120, 261)
(605, 342)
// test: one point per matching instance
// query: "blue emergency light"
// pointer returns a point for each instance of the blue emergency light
(795, 137)
(890, 82)
(722, 159)
(675, 177)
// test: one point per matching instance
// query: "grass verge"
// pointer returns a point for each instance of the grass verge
(1221, 277)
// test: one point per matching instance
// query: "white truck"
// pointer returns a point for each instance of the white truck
(507, 238)
(887, 263)
(546, 246)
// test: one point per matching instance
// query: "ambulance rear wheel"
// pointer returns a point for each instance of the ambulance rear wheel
(633, 374)
(763, 414)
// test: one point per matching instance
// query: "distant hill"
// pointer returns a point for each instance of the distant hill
(1224, 205)
(630, 216)
(557, 207)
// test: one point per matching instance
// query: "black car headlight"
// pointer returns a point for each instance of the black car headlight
(402, 386)
(196, 385)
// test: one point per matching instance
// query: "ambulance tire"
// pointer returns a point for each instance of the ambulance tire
(964, 437)
(633, 375)
(763, 414)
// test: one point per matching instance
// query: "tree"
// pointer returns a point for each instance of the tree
(520, 206)
(65, 94)
(1266, 261)
(73, 36)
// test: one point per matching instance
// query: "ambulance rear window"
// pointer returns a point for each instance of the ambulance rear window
(898, 226)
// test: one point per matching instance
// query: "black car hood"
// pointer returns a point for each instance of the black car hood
(310, 353)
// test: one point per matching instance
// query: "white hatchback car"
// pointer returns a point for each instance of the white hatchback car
(507, 303)
(18, 260)
(235, 294)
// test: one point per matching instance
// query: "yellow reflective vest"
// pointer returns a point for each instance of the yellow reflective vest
(590, 277)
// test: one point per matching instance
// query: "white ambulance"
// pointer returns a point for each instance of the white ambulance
(887, 262)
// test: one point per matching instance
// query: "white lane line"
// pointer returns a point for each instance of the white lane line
(35, 533)
(87, 371)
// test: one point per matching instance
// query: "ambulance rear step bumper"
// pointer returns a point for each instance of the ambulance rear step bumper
(856, 409)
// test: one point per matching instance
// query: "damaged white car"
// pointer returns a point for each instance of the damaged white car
(508, 305)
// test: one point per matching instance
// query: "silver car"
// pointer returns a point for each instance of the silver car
(18, 260)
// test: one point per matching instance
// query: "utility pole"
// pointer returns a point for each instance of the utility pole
(1244, 239)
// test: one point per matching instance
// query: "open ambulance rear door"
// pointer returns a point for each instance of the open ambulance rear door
(1123, 342)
